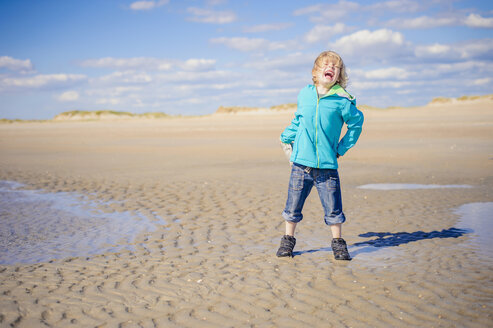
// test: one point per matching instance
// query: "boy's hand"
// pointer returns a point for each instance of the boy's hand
(287, 148)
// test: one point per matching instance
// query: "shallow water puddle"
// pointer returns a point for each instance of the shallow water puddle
(372, 256)
(36, 226)
(404, 186)
(478, 217)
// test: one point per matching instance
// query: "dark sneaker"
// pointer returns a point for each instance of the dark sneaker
(339, 248)
(287, 245)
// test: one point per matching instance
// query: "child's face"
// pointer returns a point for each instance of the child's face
(328, 72)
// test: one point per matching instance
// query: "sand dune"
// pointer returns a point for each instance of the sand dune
(110, 115)
(219, 184)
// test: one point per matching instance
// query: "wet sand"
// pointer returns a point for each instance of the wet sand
(214, 188)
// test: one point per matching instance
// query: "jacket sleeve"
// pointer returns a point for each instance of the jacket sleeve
(289, 133)
(354, 120)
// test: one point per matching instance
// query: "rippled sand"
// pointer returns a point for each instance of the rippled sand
(219, 184)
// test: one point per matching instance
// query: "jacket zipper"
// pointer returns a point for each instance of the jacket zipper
(316, 132)
(316, 127)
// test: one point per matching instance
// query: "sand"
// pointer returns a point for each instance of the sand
(214, 188)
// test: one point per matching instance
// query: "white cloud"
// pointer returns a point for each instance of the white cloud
(289, 45)
(460, 51)
(429, 79)
(397, 73)
(383, 43)
(215, 2)
(129, 63)
(198, 64)
(423, 22)
(125, 77)
(196, 88)
(211, 16)
(322, 13)
(434, 50)
(266, 27)
(364, 85)
(150, 64)
(475, 49)
(113, 91)
(254, 44)
(405, 92)
(324, 32)
(68, 96)
(108, 101)
(482, 81)
(41, 81)
(242, 44)
(284, 63)
(400, 6)
(413, 75)
(474, 20)
(271, 92)
(462, 68)
(147, 5)
(331, 12)
(15, 64)
(201, 87)
(308, 10)
(192, 77)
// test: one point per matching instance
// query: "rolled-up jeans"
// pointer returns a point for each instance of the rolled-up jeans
(329, 190)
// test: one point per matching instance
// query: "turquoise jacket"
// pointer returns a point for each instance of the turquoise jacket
(316, 127)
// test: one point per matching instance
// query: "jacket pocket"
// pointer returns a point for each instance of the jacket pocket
(297, 179)
(332, 183)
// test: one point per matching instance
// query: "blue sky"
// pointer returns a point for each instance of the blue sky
(190, 57)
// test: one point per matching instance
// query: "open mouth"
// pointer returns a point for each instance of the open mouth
(329, 75)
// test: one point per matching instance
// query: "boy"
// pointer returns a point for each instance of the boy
(314, 134)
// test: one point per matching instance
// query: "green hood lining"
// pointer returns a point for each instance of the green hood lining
(340, 91)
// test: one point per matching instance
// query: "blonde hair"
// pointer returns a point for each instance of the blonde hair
(322, 59)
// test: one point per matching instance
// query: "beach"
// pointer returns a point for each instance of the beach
(201, 201)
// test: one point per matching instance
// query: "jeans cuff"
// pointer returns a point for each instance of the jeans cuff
(290, 218)
(330, 220)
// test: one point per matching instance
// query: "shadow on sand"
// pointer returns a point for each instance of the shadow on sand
(390, 239)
